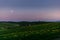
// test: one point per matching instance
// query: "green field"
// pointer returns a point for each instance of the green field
(44, 31)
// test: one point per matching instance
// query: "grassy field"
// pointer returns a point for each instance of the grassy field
(44, 31)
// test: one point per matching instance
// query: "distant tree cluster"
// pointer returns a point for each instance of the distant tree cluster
(25, 23)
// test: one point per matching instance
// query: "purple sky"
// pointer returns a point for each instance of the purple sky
(29, 10)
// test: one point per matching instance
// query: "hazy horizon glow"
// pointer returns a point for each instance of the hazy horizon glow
(29, 10)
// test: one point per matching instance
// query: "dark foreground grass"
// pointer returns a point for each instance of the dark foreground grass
(48, 31)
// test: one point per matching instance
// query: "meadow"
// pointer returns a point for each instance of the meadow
(29, 30)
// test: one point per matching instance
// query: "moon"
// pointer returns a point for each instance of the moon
(12, 11)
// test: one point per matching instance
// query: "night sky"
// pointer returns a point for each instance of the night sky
(29, 10)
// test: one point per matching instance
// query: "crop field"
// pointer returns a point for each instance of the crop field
(44, 31)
